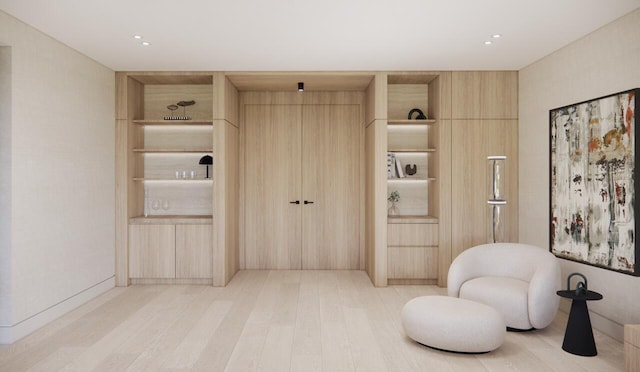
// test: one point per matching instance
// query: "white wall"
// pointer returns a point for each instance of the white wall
(599, 64)
(62, 180)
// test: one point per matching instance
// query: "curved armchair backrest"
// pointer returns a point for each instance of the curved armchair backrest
(513, 260)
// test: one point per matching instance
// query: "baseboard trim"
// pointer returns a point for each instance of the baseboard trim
(599, 322)
(11, 334)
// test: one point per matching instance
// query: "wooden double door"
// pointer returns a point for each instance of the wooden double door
(302, 186)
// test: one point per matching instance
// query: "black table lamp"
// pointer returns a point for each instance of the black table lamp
(206, 160)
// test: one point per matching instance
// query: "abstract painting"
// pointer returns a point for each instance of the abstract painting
(593, 182)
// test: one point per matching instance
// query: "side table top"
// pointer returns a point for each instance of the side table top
(589, 296)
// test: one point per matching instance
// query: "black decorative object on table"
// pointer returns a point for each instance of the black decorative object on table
(206, 160)
(578, 337)
(421, 115)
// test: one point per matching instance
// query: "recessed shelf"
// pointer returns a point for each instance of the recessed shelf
(173, 122)
(410, 122)
(168, 151)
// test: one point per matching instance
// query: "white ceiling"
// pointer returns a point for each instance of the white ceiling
(302, 35)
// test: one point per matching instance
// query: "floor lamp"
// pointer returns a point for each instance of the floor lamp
(496, 198)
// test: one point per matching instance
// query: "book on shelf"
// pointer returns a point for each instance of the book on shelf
(391, 165)
(399, 171)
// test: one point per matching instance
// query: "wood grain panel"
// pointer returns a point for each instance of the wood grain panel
(413, 262)
(157, 97)
(499, 95)
(193, 251)
(443, 195)
(232, 196)
(473, 141)
(466, 94)
(405, 97)
(273, 140)
(632, 347)
(331, 159)
(152, 251)
(165, 77)
(316, 81)
(376, 202)
(406, 235)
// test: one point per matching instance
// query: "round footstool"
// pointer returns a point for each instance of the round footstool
(453, 324)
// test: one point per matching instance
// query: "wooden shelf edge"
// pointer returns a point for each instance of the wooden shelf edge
(208, 151)
(425, 151)
(407, 179)
(173, 122)
(171, 220)
(412, 219)
(410, 122)
(195, 180)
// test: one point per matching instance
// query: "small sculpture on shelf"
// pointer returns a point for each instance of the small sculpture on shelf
(411, 169)
(421, 115)
(182, 104)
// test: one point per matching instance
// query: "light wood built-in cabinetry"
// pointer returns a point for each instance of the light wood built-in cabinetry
(164, 195)
(274, 149)
(412, 232)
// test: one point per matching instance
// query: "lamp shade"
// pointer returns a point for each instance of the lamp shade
(206, 160)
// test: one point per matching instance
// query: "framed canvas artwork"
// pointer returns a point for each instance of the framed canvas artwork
(593, 183)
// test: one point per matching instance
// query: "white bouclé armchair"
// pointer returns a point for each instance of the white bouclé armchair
(518, 280)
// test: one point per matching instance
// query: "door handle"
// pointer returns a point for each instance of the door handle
(295, 202)
(308, 202)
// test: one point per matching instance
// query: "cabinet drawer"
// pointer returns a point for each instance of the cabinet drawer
(412, 234)
(412, 262)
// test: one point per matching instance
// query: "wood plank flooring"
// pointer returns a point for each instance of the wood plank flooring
(274, 321)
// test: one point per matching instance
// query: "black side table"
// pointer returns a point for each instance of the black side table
(578, 338)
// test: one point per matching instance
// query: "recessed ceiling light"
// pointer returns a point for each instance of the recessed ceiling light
(495, 36)
(488, 42)
(146, 43)
(137, 37)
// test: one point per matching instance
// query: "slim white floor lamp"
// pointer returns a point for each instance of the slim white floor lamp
(496, 198)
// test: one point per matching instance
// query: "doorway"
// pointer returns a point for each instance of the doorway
(302, 184)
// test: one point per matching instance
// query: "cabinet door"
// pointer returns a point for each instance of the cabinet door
(152, 251)
(193, 251)
(485, 94)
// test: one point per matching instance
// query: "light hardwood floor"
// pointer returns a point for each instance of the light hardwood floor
(274, 321)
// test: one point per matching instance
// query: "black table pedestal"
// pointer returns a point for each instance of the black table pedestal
(578, 338)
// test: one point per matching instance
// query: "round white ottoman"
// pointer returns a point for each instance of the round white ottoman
(453, 324)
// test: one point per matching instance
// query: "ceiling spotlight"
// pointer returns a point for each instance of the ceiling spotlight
(146, 43)
(495, 36)
(138, 37)
(488, 42)
(300, 86)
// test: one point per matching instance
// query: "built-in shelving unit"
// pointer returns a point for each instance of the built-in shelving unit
(412, 233)
(412, 142)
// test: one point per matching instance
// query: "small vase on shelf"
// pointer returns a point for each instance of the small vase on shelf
(393, 209)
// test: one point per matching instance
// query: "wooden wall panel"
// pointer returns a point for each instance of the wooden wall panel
(466, 94)
(499, 95)
(485, 94)
(473, 141)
